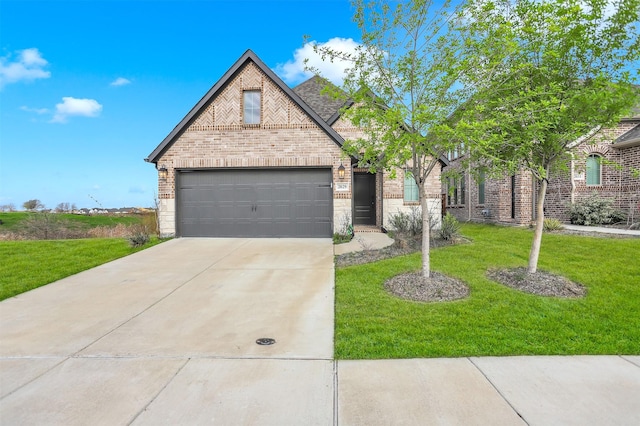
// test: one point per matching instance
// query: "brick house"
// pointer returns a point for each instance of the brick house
(512, 199)
(255, 158)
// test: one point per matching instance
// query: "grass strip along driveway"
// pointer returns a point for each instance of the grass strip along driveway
(496, 320)
(27, 265)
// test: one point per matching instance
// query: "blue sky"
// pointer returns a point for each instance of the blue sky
(89, 88)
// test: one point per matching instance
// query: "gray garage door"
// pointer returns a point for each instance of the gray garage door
(255, 203)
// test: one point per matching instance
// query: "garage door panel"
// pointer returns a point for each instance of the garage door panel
(255, 203)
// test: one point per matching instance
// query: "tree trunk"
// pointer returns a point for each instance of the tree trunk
(426, 230)
(537, 236)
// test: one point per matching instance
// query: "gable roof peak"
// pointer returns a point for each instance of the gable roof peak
(249, 55)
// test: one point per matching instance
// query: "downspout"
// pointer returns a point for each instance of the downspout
(573, 182)
(619, 197)
(534, 197)
(468, 194)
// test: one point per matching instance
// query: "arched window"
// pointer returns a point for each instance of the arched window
(594, 169)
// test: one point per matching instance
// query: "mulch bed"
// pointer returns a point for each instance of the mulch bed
(540, 283)
(402, 245)
(412, 286)
(439, 287)
(436, 288)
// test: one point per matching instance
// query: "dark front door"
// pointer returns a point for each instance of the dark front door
(364, 194)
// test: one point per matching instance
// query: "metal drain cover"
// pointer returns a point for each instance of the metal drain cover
(265, 341)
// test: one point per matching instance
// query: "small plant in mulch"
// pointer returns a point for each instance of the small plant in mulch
(540, 283)
(450, 228)
(551, 225)
(436, 288)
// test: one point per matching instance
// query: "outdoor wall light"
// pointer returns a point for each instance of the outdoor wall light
(341, 171)
(162, 173)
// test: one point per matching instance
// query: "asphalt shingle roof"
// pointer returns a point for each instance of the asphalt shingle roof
(630, 135)
(311, 93)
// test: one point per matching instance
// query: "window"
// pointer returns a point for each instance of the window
(481, 187)
(251, 107)
(411, 190)
(455, 153)
(594, 169)
(455, 191)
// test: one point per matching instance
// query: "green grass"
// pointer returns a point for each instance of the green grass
(496, 320)
(12, 221)
(27, 265)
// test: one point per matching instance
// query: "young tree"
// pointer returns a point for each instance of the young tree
(403, 86)
(566, 71)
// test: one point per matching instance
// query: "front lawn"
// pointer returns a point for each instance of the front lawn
(496, 320)
(27, 265)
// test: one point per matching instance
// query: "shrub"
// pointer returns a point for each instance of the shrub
(550, 225)
(139, 237)
(407, 222)
(594, 210)
(450, 227)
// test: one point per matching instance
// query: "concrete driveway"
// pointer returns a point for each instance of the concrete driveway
(168, 336)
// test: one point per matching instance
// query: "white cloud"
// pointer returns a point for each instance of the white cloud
(39, 111)
(293, 71)
(27, 67)
(78, 107)
(120, 81)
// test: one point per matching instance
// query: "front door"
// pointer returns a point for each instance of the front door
(364, 189)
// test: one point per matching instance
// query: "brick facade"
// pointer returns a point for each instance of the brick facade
(618, 183)
(287, 137)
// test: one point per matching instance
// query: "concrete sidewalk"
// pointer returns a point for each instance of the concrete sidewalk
(602, 230)
(574, 390)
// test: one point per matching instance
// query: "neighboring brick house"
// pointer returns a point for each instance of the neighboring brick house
(512, 199)
(254, 158)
